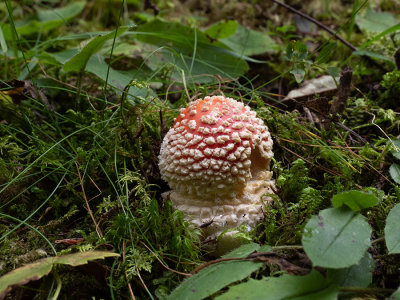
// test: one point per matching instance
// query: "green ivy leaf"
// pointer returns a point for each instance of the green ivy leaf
(250, 42)
(359, 275)
(336, 238)
(355, 200)
(392, 233)
(213, 278)
(189, 50)
(394, 172)
(310, 287)
(222, 30)
(78, 62)
(376, 21)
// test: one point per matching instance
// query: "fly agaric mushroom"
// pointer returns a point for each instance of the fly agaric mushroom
(216, 159)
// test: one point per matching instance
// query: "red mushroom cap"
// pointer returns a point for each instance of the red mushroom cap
(214, 148)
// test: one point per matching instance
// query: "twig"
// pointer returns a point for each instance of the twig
(311, 19)
(163, 264)
(99, 233)
(378, 240)
(311, 163)
(141, 280)
(352, 132)
(373, 291)
(339, 103)
(215, 261)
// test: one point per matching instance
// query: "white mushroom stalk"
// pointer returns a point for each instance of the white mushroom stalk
(216, 158)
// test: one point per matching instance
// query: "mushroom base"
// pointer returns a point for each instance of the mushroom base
(215, 217)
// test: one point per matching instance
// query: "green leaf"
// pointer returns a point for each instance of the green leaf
(395, 295)
(392, 233)
(376, 22)
(333, 71)
(78, 62)
(189, 51)
(250, 42)
(336, 238)
(390, 30)
(373, 55)
(213, 278)
(222, 30)
(298, 74)
(394, 172)
(243, 251)
(117, 79)
(45, 20)
(81, 258)
(310, 287)
(355, 200)
(359, 275)
(40, 268)
(296, 51)
(326, 52)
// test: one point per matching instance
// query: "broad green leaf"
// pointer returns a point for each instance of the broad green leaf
(250, 42)
(326, 52)
(213, 278)
(333, 71)
(359, 275)
(390, 30)
(376, 22)
(222, 30)
(45, 20)
(63, 14)
(396, 149)
(355, 200)
(117, 79)
(395, 295)
(310, 287)
(242, 251)
(394, 172)
(23, 275)
(78, 62)
(373, 55)
(298, 74)
(188, 50)
(336, 238)
(81, 258)
(392, 232)
(40, 268)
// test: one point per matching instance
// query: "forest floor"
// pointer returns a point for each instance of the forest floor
(89, 89)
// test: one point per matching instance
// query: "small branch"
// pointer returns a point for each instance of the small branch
(163, 264)
(99, 233)
(378, 240)
(373, 291)
(311, 19)
(339, 103)
(288, 247)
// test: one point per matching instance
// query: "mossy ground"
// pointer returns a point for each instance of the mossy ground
(82, 170)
